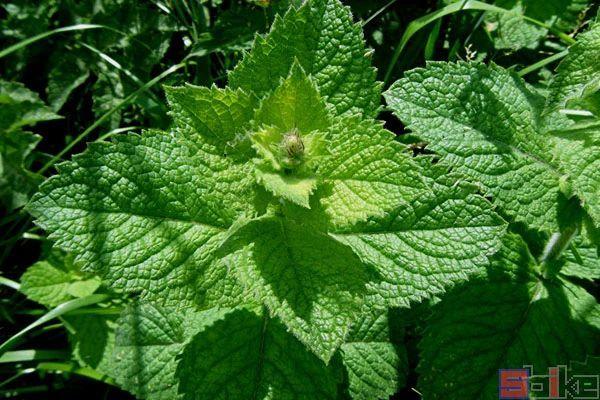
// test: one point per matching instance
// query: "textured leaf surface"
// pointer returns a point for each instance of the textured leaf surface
(321, 36)
(512, 31)
(578, 154)
(148, 341)
(582, 261)
(314, 284)
(249, 356)
(420, 248)
(376, 366)
(578, 74)
(55, 280)
(485, 122)
(506, 319)
(366, 174)
(141, 212)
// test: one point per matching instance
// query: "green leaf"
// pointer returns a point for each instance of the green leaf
(376, 366)
(295, 103)
(93, 342)
(582, 261)
(212, 115)
(366, 174)
(312, 283)
(46, 284)
(434, 240)
(578, 154)
(68, 72)
(507, 318)
(247, 355)
(55, 280)
(485, 122)
(142, 213)
(511, 30)
(321, 36)
(578, 75)
(149, 339)
(19, 107)
(295, 189)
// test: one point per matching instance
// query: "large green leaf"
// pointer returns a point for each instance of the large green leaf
(486, 123)
(148, 341)
(508, 318)
(246, 355)
(438, 238)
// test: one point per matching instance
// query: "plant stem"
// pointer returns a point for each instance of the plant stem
(557, 243)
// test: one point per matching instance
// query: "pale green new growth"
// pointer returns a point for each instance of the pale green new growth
(321, 36)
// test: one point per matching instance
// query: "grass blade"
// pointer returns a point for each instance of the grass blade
(54, 313)
(33, 39)
(422, 22)
(107, 115)
(32, 355)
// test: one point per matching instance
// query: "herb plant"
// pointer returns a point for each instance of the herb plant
(279, 241)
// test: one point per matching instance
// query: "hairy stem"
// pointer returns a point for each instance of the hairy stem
(557, 243)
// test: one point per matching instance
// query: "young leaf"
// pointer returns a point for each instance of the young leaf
(247, 355)
(485, 122)
(321, 36)
(506, 319)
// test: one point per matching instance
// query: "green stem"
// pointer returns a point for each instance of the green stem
(555, 246)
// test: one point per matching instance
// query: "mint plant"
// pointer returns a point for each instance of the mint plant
(280, 190)
(277, 241)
